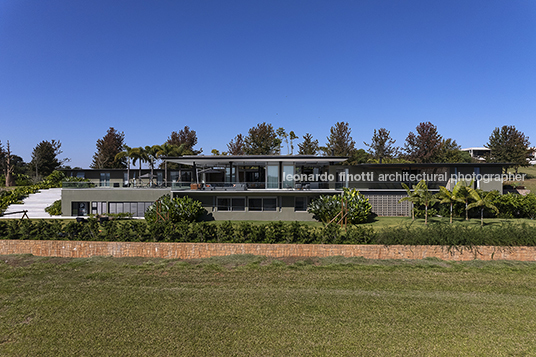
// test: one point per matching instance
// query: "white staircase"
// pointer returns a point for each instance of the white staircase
(35, 204)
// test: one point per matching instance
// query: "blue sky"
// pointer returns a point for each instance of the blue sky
(71, 69)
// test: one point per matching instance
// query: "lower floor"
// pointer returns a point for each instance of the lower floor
(256, 205)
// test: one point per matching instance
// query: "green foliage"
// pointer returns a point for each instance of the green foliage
(45, 158)
(308, 146)
(178, 209)
(340, 142)
(382, 146)
(261, 140)
(424, 146)
(326, 208)
(420, 196)
(54, 209)
(508, 145)
(516, 206)
(483, 200)
(452, 235)
(107, 150)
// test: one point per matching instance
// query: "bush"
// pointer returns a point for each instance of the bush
(54, 209)
(273, 232)
(179, 209)
(326, 208)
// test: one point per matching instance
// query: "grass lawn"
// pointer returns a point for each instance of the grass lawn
(247, 305)
(530, 179)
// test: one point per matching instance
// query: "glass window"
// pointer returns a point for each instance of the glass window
(223, 204)
(269, 204)
(255, 204)
(186, 176)
(104, 179)
(174, 175)
(239, 204)
(288, 176)
(272, 179)
(80, 208)
(300, 204)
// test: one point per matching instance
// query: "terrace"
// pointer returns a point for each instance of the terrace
(257, 172)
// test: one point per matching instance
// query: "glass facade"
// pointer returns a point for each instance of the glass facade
(272, 176)
(288, 176)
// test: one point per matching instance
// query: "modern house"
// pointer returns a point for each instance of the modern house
(478, 153)
(264, 187)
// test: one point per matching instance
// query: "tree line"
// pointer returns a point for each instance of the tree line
(424, 145)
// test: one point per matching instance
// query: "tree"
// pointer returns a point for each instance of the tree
(187, 137)
(45, 158)
(412, 197)
(420, 196)
(2, 158)
(424, 146)
(236, 146)
(151, 155)
(9, 166)
(463, 195)
(288, 138)
(125, 155)
(483, 200)
(292, 136)
(169, 150)
(450, 197)
(308, 146)
(359, 156)
(450, 151)
(261, 140)
(427, 198)
(283, 136)
(340, 142)
(138, 154)
(382, 145)
(107, 149)
(508, 145)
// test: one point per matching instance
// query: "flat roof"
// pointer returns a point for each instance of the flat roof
(436, 164)
(476, 148)
(254, 160)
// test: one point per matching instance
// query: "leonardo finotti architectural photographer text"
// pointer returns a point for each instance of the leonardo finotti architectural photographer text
(404, 177)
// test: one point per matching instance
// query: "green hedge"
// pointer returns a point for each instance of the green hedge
(274, 232)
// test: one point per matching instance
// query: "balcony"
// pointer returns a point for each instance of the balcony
(243, 186)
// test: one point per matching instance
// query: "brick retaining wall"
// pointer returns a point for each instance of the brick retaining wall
(77, 249)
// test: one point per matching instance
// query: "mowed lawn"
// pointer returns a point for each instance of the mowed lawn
(254, 306)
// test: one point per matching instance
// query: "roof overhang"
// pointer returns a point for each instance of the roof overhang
(254, 160)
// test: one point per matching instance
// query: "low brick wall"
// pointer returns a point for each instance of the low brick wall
(76, 249)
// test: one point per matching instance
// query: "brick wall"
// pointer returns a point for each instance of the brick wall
(75, 249)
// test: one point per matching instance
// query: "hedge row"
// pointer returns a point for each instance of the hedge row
(274, 232)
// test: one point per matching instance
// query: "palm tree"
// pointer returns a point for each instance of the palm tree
(138, 154)
(483, 199)
(446, 196)
(166, 150)
(427, 198)
(463, 195)
(413, 197)
(126, 153)
(151, 153)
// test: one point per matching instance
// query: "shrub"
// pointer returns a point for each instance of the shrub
(54, 209)
(179, 209)
(326, 208)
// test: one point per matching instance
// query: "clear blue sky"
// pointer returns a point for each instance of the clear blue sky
(71, 69)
